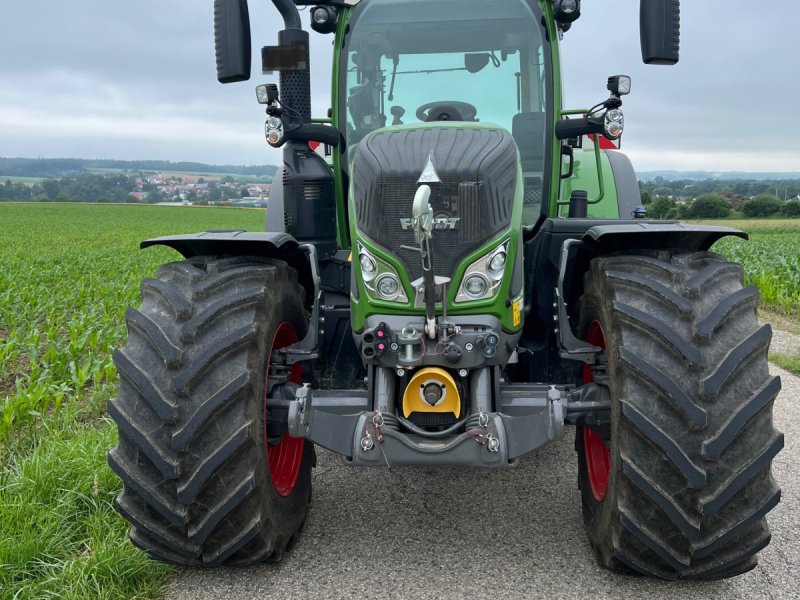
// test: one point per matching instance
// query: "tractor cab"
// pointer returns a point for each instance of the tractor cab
(412, 62)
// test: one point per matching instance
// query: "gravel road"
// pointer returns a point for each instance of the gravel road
(446, 533)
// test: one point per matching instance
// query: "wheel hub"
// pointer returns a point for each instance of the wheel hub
(284, 458)
(595, 451)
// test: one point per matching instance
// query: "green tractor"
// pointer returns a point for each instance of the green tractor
(455, 274)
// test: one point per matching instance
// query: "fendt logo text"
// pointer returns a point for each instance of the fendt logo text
(439, 223)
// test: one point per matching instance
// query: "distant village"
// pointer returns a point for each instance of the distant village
(190, 190)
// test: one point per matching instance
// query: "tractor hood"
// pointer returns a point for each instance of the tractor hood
(472, 171)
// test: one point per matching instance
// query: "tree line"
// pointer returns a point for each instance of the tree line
(784, 189)
(85, 188)
(61, 167)
(114, 188)
(718, 206)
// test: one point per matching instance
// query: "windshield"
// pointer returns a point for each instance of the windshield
(411, 61)
(482, 58)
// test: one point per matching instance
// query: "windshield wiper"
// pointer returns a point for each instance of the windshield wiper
(431, 71)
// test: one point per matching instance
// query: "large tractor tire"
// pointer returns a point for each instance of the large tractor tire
(202, 484)
(680, 485)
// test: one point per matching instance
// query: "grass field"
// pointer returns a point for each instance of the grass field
(67, 274)
(29, 180)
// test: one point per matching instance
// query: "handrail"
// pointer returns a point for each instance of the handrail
(598, 161)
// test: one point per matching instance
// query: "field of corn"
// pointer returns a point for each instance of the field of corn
(67, 273)
(771, 260)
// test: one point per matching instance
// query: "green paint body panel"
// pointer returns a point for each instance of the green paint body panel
(550, 204)
(363, 305)
(342, 229)
(585, 178)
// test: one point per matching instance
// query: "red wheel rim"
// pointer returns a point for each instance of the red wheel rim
(595, 452)
(284, 458)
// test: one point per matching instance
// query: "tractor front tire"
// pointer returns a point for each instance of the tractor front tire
(202, 485)
(682, 487)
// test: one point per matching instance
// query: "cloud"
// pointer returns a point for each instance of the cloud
(137, 79)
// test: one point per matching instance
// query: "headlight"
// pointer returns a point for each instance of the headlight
(388, 286)
(273, 129)
(368, 267)
(497, 263)
(476, 285)
(379, 277)
(484, 276)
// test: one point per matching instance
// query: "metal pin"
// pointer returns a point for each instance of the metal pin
(367, 443)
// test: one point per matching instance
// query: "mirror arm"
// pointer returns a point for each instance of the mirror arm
(570, 128)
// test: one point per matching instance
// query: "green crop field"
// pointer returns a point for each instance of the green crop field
(29, 180)
(771, 260)
(67, 273)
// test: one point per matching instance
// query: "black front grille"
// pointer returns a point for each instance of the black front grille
(451, 199)
(472, 203)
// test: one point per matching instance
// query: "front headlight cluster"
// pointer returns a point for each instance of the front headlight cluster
(483, 277)
(273, 130)
(380, 278)
(614, 123)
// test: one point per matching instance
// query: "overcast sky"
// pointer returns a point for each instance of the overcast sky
(135, 80)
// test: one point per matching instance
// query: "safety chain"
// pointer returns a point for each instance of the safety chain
(367, 442)
(483, 436)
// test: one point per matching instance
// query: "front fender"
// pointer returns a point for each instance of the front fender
(656, 236)
(630, 236)
(220, 243)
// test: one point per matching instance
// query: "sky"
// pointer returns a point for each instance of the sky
(136, 80)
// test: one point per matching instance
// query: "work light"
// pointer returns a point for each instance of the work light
(566, 11)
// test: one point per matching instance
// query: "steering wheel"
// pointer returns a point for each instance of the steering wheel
(447, 110)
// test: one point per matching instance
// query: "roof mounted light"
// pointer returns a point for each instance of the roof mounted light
(266, 93)
(566, 11)
(323, 19)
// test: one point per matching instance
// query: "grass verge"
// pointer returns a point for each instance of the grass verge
(780, 321)
(59, 534)
(790, 363)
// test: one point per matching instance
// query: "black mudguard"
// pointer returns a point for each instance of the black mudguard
(625, 237)
(548, 267)
(244, 243)
(655, 235)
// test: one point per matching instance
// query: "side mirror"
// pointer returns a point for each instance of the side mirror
(660, 31)
(232, 40)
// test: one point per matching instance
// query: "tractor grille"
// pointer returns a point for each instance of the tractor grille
(477, 169)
